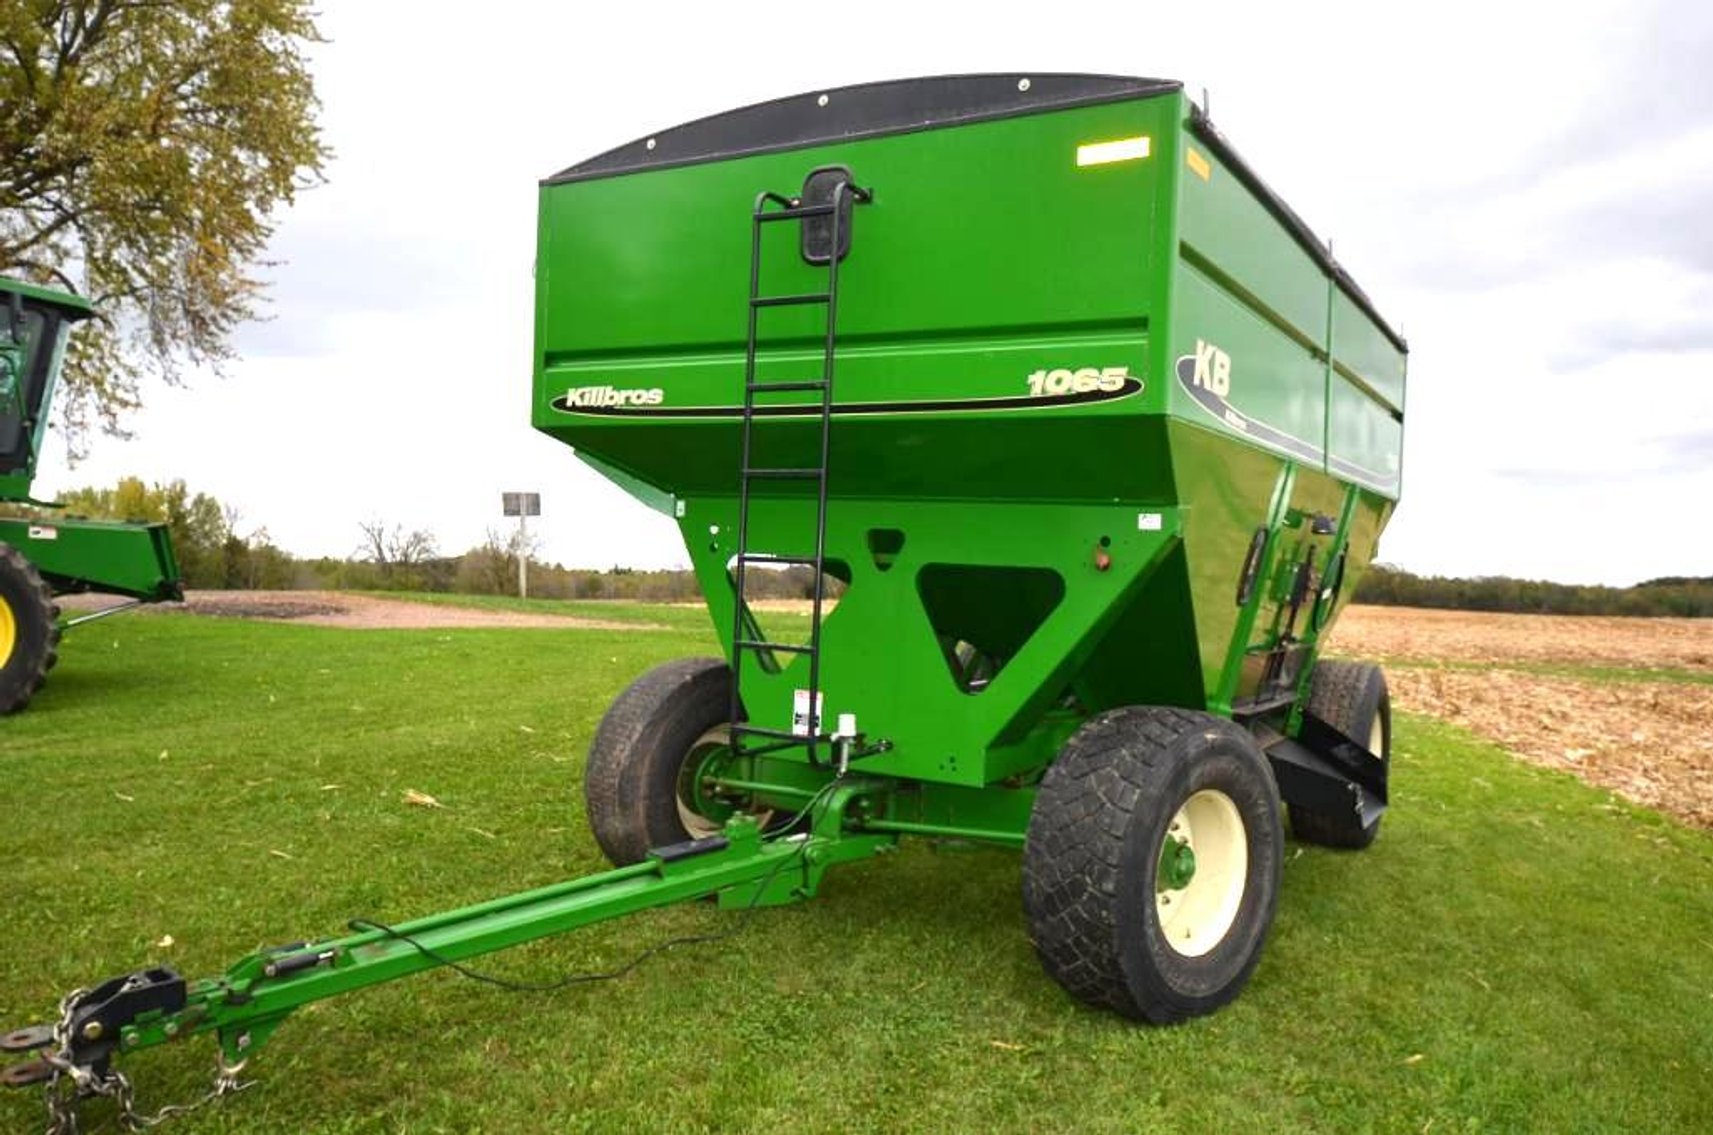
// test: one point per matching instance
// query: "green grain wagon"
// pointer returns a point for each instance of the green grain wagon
(1091, 437)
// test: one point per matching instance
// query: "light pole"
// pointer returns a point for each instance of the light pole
(523, 506)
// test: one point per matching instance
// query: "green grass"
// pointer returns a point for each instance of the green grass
(1517, 952)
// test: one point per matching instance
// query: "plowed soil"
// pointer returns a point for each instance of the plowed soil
(1467, 636)
(1649, 740)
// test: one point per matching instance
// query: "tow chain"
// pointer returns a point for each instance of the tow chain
(70, 1084)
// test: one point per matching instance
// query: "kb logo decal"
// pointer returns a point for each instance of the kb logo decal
(1209, 368)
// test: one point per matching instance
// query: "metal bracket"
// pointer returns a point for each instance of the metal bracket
(26, 1074)
(28, 1039)
(100, 1014)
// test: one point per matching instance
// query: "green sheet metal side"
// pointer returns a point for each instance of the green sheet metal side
(135, 560)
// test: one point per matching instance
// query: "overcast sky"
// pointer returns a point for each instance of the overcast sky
(1528, 194)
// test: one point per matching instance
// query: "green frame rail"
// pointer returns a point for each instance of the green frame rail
(72, 555)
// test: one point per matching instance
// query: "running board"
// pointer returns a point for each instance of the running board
(1324, 784)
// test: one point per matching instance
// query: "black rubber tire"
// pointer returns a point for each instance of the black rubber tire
(1347, 696)
(1093, 851)
(35, 619)
(630, 784)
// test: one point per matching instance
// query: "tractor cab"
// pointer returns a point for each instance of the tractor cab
(33, 330)
(45, 554)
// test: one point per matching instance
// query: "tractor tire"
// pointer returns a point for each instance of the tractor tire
(634, 783)
(1352, 698)
(1113, 917)
(29, 630)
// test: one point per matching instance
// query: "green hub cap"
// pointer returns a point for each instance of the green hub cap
(701, 813)
(1177, 865)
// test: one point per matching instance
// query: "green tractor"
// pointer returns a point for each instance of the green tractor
(43, 555)
(1094, 436)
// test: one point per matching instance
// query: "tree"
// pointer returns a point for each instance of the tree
(394, 547)
(200, 526)
(144, 148)
(407, 560)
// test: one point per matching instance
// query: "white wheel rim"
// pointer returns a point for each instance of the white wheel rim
(1377, 738)
(1196, 917)
(696, 825)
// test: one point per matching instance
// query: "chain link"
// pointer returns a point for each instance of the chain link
(71, 1084)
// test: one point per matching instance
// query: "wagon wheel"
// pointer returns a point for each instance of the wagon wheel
(29, 630)
(643, 785)
(1151, 869)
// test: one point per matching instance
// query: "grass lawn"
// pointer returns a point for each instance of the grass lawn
(1517, 952)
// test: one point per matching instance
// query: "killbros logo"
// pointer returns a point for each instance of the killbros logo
(600, 397)
(1046, 388)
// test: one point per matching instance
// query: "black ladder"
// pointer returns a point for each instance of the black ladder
(771, 208)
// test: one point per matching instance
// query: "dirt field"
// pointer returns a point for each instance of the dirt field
(1650, 741)
(1464, 636)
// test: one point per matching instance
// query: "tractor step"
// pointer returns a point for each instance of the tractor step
(778, 473)
(791, 300)
(770, 558)
(781, 387)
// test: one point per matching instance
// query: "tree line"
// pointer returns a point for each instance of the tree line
(216, 549)
(1673, 595)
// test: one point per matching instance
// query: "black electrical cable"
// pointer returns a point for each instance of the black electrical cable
(433, 955)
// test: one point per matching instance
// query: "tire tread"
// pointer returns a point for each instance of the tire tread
(616, 793)
(1072, 860)
(35, 610)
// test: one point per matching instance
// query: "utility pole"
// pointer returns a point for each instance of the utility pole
(523, 506)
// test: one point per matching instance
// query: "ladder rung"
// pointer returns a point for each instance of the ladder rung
(787, 301)
(778, 734)
(769, 558)
(794, 212)
(787, 647)
(784, 474)
(806, 384)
